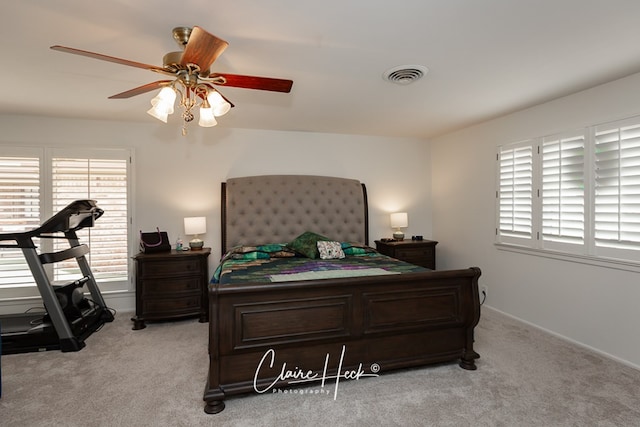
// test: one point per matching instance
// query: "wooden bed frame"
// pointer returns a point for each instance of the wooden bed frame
(265, 336)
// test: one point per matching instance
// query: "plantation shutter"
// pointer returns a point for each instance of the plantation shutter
(103, 180)
(617, 186)
(563, 197)
(515, 192)
(19, 212)
(587, 201)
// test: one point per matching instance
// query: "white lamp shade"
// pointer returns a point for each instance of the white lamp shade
(218, 103)
(207, 119)
(195, 225)
(162, 105)
(159, 114)
(166, 97)
(399, 220)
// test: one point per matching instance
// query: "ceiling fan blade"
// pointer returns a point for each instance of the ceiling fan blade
(253, 82)
(109, 58)
(141, 89)
(202, 49)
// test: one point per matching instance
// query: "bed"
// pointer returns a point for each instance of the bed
(314, 331)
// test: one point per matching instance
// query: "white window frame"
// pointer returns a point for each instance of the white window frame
(566, 249)
(46, 155)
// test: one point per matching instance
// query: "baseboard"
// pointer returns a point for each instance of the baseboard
(565, 338)
(121, 301)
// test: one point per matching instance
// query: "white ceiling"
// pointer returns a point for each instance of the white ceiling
(485, 58)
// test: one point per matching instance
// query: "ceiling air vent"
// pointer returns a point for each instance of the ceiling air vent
(405, 74)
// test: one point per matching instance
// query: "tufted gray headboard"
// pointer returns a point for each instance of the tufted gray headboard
(277, 208)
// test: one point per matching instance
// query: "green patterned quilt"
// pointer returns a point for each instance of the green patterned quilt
(274, 263)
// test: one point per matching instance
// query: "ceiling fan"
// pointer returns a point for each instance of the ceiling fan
(192, 77)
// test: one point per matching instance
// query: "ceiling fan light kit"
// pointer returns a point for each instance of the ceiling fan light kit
(191, 92)
(192, 78)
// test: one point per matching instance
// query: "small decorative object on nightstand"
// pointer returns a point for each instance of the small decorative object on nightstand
(171, 285)
(418, 252)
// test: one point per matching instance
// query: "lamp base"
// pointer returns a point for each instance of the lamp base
(196, 244)
(398, 235)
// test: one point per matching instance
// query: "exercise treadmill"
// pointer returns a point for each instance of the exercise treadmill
(68, 317)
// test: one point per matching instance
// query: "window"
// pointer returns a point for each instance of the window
(575, 193)
(515, 193)
(37, 183)
(617, 187)
(20, 183)
(562, 174)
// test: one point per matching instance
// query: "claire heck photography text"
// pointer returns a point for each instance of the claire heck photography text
(267, 368)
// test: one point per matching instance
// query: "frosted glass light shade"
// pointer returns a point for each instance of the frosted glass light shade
(218, 103)
(166, 97)
(162, 104)
(158, 113)
(207, 118)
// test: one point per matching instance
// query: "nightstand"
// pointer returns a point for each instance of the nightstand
(418, 252)
(171, 285)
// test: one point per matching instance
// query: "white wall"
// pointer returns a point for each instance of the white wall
(595, 306)
(179, 176)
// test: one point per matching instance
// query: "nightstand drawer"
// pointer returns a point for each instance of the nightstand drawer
(169, 306)
(157, 287)
(164, 268)
(414, 253)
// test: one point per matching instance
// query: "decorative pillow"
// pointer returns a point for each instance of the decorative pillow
(330, 250)
(306, 244)
(350, 248)
(271, 247)
(274, 250)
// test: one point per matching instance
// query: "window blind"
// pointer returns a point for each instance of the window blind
(577, 192)
(617, 186)
(563, 179)
(19, 212)
(36, 183)
(515, 192)
(103, 180)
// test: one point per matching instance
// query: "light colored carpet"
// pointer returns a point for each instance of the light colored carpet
(156, 377)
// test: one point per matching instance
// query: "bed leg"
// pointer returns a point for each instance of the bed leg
(214, 407)
(213, 399)
(468, 360)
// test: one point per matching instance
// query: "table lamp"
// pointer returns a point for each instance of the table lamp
(399, 220)
(195, 226)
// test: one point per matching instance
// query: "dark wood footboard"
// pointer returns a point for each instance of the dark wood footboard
(284, 334)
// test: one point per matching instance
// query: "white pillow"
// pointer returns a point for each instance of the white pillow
(330, 250)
